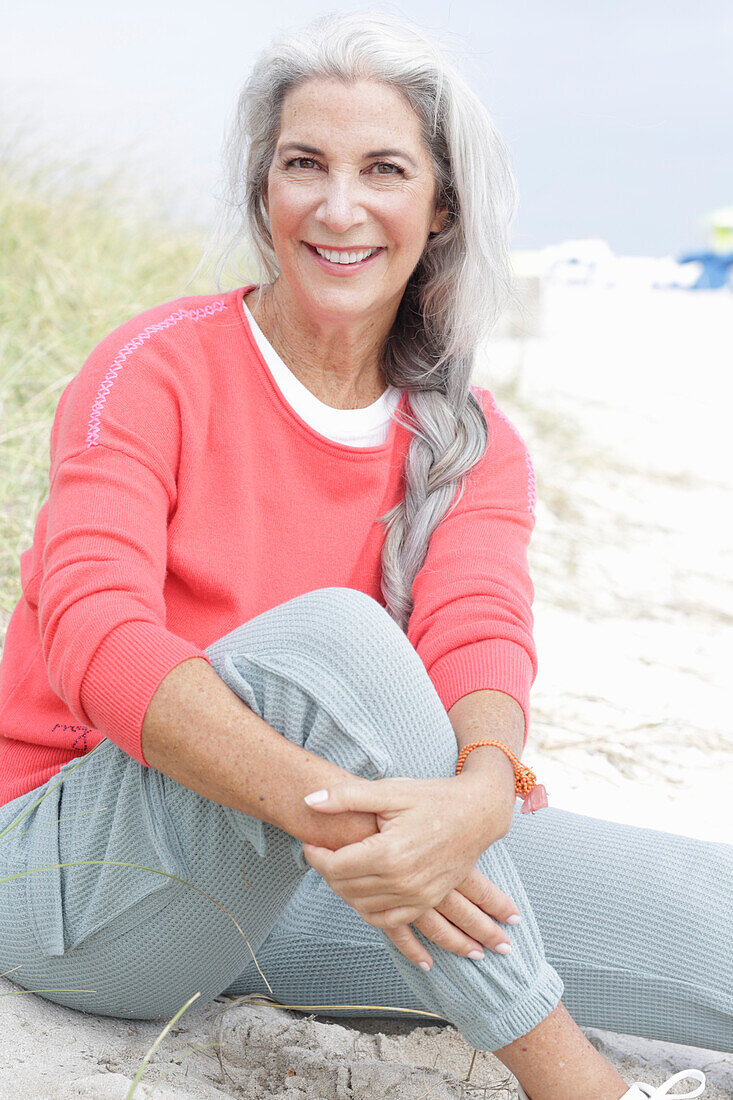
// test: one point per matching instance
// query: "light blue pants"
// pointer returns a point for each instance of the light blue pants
(633, 924)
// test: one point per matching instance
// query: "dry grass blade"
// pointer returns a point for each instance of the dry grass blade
(52, 824)
(141, 867)
(265, 1002)
(19, 992)
(50, 789)
(156, 1044)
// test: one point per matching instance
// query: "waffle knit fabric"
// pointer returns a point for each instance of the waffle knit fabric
(186, 496)
(635, 921)
(333, 672)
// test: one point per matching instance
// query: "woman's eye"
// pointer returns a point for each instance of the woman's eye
(308, 162)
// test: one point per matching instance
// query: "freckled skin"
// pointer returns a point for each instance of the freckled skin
(330, 331)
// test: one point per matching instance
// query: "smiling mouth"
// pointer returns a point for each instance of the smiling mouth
(343, 256)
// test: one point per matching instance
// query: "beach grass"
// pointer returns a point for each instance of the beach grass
(77, 260)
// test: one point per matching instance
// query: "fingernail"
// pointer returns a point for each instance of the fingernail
(316, 796)
(424, 965)
(514, 919)
(475, 954)
(503, 948)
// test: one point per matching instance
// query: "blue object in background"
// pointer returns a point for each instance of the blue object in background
(716, 269)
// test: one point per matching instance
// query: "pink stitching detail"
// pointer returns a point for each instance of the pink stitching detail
(531, 479)
(137, 342)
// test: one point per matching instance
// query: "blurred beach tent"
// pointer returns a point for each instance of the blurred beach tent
(716, 262)
(580, 261)
(591, 262)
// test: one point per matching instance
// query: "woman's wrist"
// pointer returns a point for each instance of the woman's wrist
(488, 773)
(490, 796)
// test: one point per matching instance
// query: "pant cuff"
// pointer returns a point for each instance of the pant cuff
(529, 1010)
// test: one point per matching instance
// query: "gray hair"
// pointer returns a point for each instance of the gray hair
(462, 281)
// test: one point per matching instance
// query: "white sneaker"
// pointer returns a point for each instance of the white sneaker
(640, 1091)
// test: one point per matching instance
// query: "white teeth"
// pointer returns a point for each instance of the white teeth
(345, 257)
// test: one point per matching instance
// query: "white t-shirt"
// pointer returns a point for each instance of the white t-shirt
(353, 427)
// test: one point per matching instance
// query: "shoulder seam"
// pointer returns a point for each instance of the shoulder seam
(115, 450)
(137, 341)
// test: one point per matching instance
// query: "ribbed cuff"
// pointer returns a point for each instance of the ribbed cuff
(124, 674)
(528, 1010)
(493, 665)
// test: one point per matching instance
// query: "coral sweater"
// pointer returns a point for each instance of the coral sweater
(186, 496)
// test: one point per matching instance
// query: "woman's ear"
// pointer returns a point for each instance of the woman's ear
(440, 220)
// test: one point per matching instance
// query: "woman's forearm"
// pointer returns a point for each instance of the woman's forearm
(488, 772)
(200, 733)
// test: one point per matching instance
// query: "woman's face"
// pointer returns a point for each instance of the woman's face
(350, 174)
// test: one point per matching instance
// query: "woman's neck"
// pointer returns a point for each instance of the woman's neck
(339, 364)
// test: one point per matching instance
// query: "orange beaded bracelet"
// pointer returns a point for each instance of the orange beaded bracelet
(533, 793)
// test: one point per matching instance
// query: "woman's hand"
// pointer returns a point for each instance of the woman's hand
(420, 867)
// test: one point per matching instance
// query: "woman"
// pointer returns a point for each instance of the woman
(211, 606)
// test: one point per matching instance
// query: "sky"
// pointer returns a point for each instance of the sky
(618, 116)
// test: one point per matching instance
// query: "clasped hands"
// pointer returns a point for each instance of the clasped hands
(420, 868)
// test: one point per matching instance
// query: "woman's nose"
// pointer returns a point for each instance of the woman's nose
(340, 207)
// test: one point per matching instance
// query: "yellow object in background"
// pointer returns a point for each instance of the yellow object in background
(721, 230)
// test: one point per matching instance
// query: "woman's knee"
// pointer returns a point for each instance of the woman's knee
(338, 627)
(330, 669)
(371, 657)
(356, 637)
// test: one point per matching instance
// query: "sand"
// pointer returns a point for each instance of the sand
(623, 398)
(53, 1053)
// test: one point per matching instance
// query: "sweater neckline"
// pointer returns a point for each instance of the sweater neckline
(278, 399)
